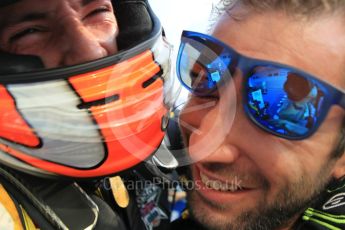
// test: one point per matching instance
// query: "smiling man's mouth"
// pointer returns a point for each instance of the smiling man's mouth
(218, 185)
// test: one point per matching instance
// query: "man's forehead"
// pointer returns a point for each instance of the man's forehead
(292, 41)
(4, 3)
(28, 10)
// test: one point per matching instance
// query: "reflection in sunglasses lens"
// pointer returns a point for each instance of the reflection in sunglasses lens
(202, 69)
(282, 101)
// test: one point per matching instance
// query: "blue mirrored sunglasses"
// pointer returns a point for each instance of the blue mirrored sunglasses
(280, 99)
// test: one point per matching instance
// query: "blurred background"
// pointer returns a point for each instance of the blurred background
(179, 15)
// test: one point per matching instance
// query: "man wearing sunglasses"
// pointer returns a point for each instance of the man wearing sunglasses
(264, 122)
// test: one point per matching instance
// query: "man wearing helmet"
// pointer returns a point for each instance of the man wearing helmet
(81, 91)
(61, 33)
(255, 167)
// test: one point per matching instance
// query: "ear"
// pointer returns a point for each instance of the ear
(339, 167)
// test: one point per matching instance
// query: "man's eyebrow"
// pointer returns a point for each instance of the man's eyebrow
(85, 2)
(33, 16)
(24, 18)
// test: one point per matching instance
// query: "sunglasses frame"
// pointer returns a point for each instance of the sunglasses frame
(333, 95)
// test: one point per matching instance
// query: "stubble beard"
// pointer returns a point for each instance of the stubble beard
(290, 203)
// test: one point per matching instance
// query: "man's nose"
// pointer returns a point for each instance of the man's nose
(82, 46)
(212, 126)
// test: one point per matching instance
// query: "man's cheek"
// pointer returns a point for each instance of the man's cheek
(189, 121)
(183, 131)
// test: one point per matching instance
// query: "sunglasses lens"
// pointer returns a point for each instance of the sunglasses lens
(284, 102)
(201, 67)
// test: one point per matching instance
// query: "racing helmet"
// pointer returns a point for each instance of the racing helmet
(91, 119)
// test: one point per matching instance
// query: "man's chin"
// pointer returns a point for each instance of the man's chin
(213, 216)
(260, 213)
(208, 214)
(219, 210)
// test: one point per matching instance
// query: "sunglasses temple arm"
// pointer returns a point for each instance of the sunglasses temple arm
(342, 101)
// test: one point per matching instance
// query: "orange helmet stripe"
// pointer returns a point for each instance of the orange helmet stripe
(13, 127)
(125, 78)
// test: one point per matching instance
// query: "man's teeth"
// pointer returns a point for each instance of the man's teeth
(218, 185)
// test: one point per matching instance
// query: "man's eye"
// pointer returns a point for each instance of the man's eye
(23, 33)
(103, 9)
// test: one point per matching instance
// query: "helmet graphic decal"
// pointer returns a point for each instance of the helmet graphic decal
(58, 122)
(11, 120)
(98, 122)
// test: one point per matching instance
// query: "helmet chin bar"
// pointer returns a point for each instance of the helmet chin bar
(26, 168)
